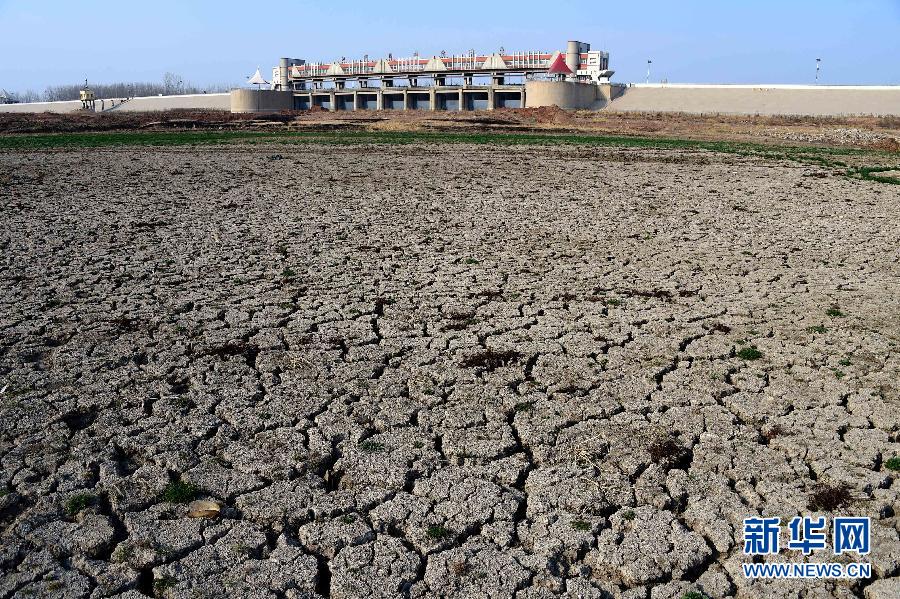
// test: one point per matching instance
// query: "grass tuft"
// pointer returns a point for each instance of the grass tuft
(667, 450)
(438, 532)
(179, 492)
(161, 584)
(371, 446)
(491, 360)
(78, 502)
(829, 497)
(749, 353)
(776, 430)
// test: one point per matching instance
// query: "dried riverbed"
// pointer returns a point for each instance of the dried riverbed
(438, 369)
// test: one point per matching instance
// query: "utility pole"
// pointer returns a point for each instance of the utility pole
(648, 69)
(818, 62)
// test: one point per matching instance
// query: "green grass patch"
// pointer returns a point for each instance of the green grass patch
(834, 312)
(581, 525)
(819, 328)
(869, 173)
(78, 502)
(163, 583)
(893, 463)
(55, 585)
(821, 156)
(179, 492)
(122, 554)
(98, 139)
(371, 446)
(749, 353)
(438, 532)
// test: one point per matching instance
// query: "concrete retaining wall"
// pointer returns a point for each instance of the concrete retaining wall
(140, 104)
(42, 107)
(264, 100)
(808, 100)
(824, 100)
(565, 94)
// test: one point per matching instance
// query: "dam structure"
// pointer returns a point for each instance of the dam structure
(446, 82)
(574, 78)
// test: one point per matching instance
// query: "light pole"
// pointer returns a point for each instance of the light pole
(649, 62)
(818, 62)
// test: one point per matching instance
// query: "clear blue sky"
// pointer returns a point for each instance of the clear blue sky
(45, 42)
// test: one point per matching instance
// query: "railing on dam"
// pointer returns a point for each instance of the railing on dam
(468, 63)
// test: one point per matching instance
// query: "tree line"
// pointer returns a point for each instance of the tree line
(171, 85)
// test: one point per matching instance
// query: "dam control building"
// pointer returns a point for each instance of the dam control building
(576, 77)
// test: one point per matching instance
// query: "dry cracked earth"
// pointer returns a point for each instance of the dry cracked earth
(439, 370)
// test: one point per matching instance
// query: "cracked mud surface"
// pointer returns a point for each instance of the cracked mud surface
(438, 370)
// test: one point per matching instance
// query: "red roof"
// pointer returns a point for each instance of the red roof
(559, 66)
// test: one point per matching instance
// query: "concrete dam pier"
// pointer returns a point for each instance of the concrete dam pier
(568, 95)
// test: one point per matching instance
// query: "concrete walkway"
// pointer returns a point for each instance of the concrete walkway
(140, 104)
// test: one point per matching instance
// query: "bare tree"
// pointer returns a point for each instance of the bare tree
(29, 95)
(172, 84)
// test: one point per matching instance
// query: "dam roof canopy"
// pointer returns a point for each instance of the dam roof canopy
(559, 66)
(257, 78)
